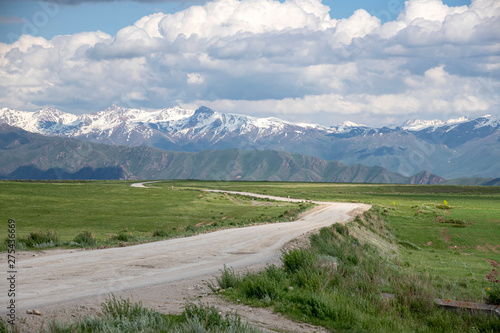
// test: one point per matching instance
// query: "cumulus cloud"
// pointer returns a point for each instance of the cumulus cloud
(435, 93)
(265, 57)
(77, 2)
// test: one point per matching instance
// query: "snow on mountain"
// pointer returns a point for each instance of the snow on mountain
(175, 121)
(487, 120)
(45, 121)
(347, 126)
(419, 124)
(135, 126)
(441, 146)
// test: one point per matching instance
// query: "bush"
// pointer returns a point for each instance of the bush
(296, 259)
(122, 308)
(415, 292)
(122, 237)
(260, 286)
(160, 233)
(341, 229)
(4, 327)
(85, 238)
(205, 318)
(454, 223)
(121, 316)
(191, 229)
(228, 278)
(209, 315)
(493, 295)
(40, 239)
(314, 305)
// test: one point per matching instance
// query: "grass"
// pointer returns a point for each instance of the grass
(435, 241)
(123, 316)
(36, 240)
(117, 214)
(456, 254)
(85, 238)
(493, 295)
(337, 283)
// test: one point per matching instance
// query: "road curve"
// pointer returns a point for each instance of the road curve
(64, 275)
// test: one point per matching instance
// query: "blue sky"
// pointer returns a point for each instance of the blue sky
(110, 16)
(374, 62)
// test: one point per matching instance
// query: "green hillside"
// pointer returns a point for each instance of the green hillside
(25, 155)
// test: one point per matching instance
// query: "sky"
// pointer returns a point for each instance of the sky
(375, 62)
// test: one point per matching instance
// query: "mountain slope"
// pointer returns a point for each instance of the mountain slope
(455, 148)
(25, 155)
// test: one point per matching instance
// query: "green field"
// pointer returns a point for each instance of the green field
(456, 253)
(453, 251)
(111, 208)
(443, 239)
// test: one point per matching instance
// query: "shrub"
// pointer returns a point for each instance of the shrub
(205, 318)
(260, 286)
(40, 238)
(454, 223)
(44, 245)
(160, 233)
(228, 278)
(415, 292)
(121, 316)
(314, 305)
(191, 228)
(3, 326)
(296, 259)
(85, 238)
(493, 295)
(275, 273)
(121, 308)
(122, 237)
(209, 315)
(341, 229)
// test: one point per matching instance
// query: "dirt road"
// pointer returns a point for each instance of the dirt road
(52, 278)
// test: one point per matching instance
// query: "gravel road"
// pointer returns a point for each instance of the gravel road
(51, 278)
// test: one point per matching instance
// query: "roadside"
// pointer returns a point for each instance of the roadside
(163, 275)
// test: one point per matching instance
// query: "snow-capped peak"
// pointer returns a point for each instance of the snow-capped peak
(457, 120)
(136, 126)
(347, 124)
(419, 124)
(487, 120)
(54, 115)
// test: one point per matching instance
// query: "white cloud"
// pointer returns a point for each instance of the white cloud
(230, 17)
(435, 93)
(195, 78)
(271, 58)
(417, 11)
(359, 24)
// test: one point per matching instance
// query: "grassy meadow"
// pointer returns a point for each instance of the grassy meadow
(117, 213)
(417, 242)
(453, 243)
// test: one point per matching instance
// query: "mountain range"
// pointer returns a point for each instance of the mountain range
(25, 155)
(451, 149)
